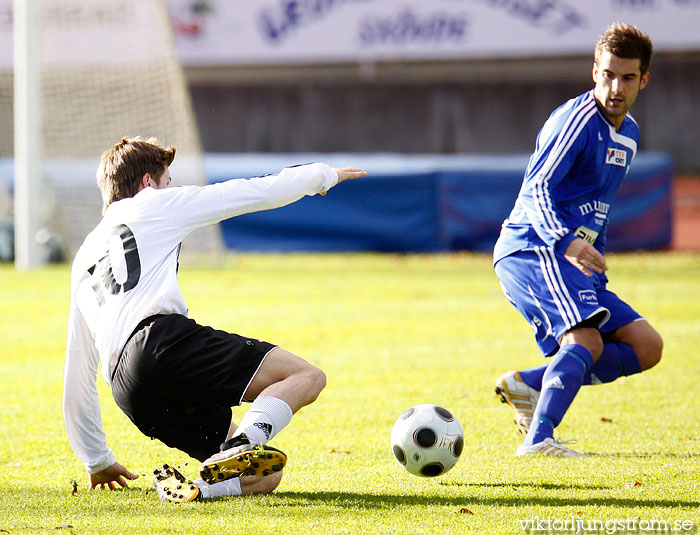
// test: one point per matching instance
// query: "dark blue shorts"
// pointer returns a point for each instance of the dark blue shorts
(554, 296)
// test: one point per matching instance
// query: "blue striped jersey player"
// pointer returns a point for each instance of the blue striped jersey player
(550, 255)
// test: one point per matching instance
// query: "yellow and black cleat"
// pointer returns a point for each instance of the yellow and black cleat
(240, 458)
(172, 486)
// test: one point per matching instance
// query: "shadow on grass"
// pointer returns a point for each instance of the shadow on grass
(387, 501)
(121, 501)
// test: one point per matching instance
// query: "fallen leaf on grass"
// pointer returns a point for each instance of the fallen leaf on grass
(606, 420)
(346, 452)
(687, 438)
(633, 484)
(465, 511)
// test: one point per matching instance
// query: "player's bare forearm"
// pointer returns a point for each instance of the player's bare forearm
(585, 257)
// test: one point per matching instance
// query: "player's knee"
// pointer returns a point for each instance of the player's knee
(309, 381)
(596, 348)
(587, 337)
(649, 353)
(316, 381)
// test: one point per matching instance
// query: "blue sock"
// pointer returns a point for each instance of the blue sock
(561, 382)
(532, 377)
(617, 360)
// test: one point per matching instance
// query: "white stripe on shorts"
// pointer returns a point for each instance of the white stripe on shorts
(550, 331)
(560, 293)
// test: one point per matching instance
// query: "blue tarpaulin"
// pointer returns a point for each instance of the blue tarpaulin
(427, 203)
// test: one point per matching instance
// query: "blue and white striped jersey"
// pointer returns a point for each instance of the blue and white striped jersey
(571, 179)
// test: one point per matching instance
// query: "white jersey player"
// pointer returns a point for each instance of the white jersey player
(175, 379)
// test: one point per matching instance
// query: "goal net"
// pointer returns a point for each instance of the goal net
(108, 69)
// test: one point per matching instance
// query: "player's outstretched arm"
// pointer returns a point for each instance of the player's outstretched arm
(585, 257)
(106, 478)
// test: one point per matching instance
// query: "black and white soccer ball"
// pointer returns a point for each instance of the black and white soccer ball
(427, 440)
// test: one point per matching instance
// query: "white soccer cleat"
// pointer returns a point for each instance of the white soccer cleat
(548, 446)
(521, 397)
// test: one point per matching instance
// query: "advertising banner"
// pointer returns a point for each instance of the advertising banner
(224, 32)
(240, 32)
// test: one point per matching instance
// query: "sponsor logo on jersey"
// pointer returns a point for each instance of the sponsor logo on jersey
(588, 296)
(586, 233)
(599, 207)
(616, 157)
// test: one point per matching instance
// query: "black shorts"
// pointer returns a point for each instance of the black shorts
(177, 381)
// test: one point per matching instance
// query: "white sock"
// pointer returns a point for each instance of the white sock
(266, 417)
(230, 487)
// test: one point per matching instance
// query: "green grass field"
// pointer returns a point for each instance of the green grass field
(390, 332)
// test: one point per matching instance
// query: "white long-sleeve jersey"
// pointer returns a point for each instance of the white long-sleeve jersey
(126, 270)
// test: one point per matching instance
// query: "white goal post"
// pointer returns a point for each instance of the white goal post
(27, 132)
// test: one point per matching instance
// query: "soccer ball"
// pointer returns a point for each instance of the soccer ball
(427, 440)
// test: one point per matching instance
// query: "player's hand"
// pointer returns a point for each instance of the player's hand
(106, 479)
(585, 257)
(345, 173)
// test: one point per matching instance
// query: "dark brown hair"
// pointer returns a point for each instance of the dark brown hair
(123, 166)
(627, 42)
